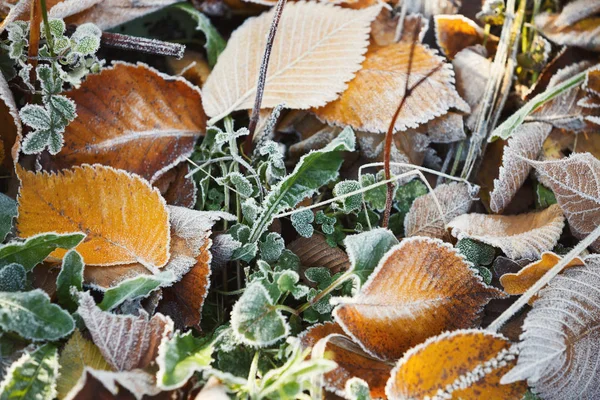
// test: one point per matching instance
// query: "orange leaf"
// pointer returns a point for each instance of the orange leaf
(465, 364)
(454, 33)
(134, 118)
(352, 361)
(419, 289)
(124, 218)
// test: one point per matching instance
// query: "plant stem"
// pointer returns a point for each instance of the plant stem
(49, 38)
(334, 285)
(35, 19)
(285, 308)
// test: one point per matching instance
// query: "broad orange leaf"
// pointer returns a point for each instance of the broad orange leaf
(125, 219)
(419, 289)
(465, 364)
(454, 33)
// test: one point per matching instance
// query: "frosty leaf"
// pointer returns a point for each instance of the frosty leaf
(576, 184)
(137, 384)
(373, 95)
(125, 341)
(366, 249)
(239, 182)
(11, 124)
(288, 282)
(430, 8)
(255, 319)
(374, 197)
(77, 354)
(145, 138)
(357, 389)
(518, 236)
(526, 142)
(70, 276)
(454, 33)
(574, 26)
(316, 252)
(297, 59)
(424, 217)
(476, 252)
(327, 223)
(214, 42)
(330, 340)
(558, 348)
(420, 288)
(33, 316)
(134, 288)
(464, 364)
(302, 221)
(35, 116)
(13, 278)
(33, 376)
(351, 203)
(518, 283)
(181, 356)
(271, 247)
(125, 220)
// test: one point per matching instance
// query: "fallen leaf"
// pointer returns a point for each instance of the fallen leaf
(316, 252)
(132, 117)
(465, 364)
(12, 129)
(105, 385)
(454, 33)
(177, 188)
(425, 218)
(297, 59)
(574, 26)
(575, 182)
(518, 236)
(374, 94)
(518, 283)
(431, 8)
(125, 341)
(419, 289)
(558, 352)
(330, 340)
(526, 142)
(384, 28)
(125, 220)
(448, 128)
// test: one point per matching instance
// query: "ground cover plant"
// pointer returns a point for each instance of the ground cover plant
(261, 199)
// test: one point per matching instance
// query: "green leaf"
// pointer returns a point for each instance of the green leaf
(376, 196)
(181, 356)
(506, 129)
(70, 275)
(33, 316)
(245, 253)
(271, 247)
(544, 197)
(314, 170)
(134, 288)
(13, 278)
(476, 252)
(35, 116)
(8, 210)
(357, 389)
(366, 249)
(33, 376)
(302, 221)
(35, 249)
(351, 203)
(255, 319)
(214, 42)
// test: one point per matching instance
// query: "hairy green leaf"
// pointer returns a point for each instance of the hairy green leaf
(35, 249)
(8, 210)
(214, 42)
(134, 288)
(33, 376)
(13, 278)
(271, 247)
(70, 276)
(366, 249)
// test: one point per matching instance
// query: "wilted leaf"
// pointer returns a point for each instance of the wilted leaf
(472, 69)
(425, 218)
(77, 354)
(419, 289)
(385, 28)
(454, 33)
(366, 250)
(105, 385)
(125, 220)
(465, 364)
(575, 182)
(176, 188)
(33, 376)
(12, 129)
(559, 348)
(374, 94)
(518, 236)
(574, 26)
(135, 118)
(316, 252)
(32, 316)
(125, 341)
(527, 142)
(70, 276)
(351, 360)
(518, 283)
(35, 249)
(310, 35)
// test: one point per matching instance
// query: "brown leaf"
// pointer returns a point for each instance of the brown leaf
(448, 128)
(384, 28)
(465, 364)
(431, 8)
(455, 33)
(424, 217)
(419, 289)
(193, 67)
(373, 95)
(134, 118)
(108, 385)
(574, 26)
(176, 188)
(519, 236)
(575, 182)
(12, 130)
(316, 252)
(330, 340)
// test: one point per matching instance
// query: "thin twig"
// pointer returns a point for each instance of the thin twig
(262, 76)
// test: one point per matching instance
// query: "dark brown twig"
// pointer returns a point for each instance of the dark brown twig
(262, 76)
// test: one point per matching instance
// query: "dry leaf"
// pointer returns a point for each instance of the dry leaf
(317, 66)
(424, 217)
(135, 118)
(125, 341)
(384, 28)
(448, 128)
(374, 94)
(575, 182)
(329, 339)
(465, 364)
(518, 236)
(124, 218)
(193, 67)
(527, 142)
(177, 188)
(558, 352)
(518, 283)
(12, 130)
(473, 70)
(107, 385)
(454, 33)
(316, 252)
(431, 8)
(419, 289)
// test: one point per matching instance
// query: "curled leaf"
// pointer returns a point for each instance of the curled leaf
(454, 33)
(574, 26)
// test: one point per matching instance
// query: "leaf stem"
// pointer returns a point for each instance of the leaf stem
(49, 38)
(334, 285)
(285, 308)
